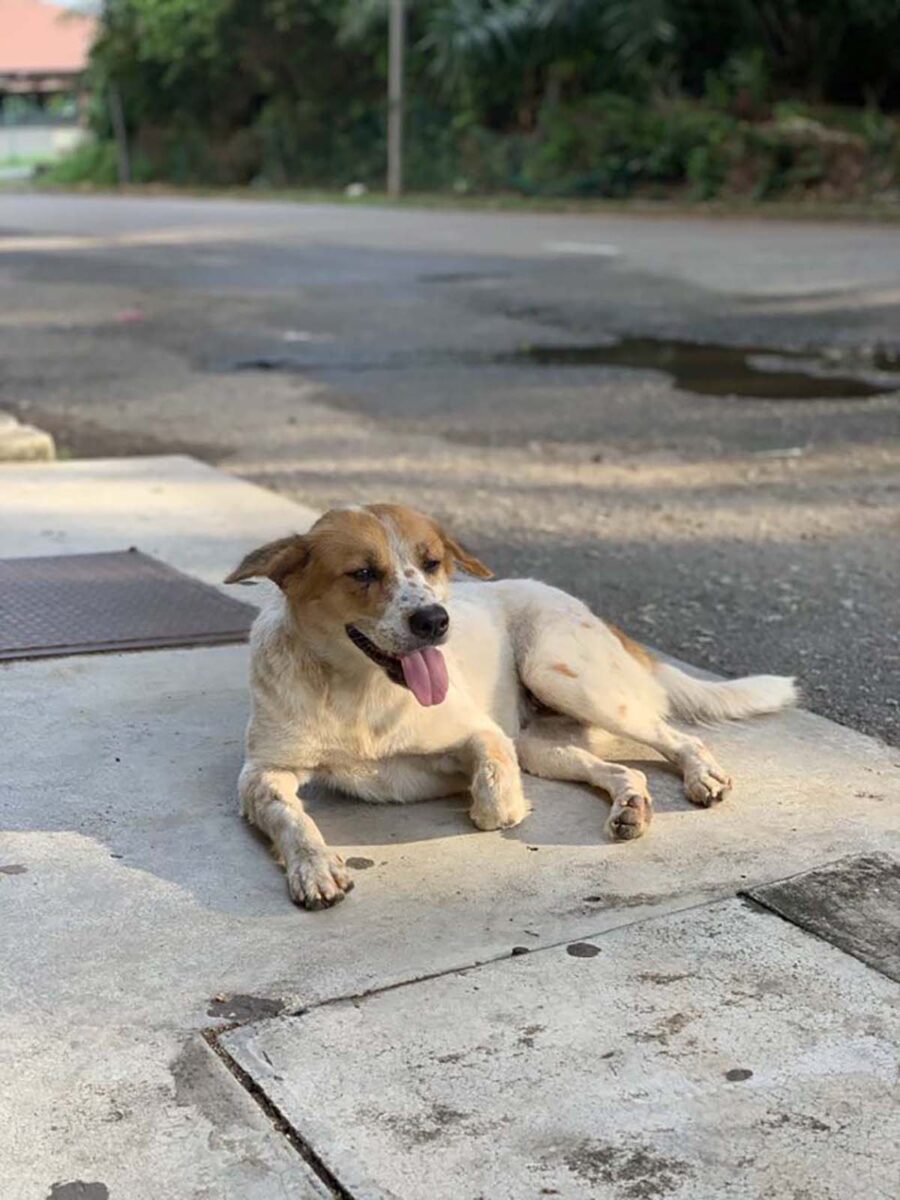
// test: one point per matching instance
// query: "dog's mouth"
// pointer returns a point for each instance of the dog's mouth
(424, 671)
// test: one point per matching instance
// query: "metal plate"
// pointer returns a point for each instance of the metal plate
(853, 903)
(95, 603)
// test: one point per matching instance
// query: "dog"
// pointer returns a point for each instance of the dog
(373, 672)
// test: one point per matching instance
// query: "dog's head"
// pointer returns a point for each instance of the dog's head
(368, 586)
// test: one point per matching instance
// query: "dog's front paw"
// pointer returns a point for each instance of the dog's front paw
(318, 880)
(631, 813)
(500, 808)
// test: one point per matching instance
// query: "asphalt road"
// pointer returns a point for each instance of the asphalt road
(341, 353)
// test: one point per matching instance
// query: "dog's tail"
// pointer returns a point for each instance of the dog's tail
(726, 699)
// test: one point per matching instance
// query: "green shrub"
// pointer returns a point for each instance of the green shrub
(611, 145)
(607, 146)
(91, 162)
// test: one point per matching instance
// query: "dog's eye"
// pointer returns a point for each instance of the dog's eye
(365, 575)
(430, 565)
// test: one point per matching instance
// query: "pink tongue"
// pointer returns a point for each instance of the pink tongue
(425, 673)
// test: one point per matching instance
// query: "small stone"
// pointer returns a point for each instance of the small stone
(24, 443)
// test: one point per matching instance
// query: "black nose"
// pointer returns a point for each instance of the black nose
(431, 622)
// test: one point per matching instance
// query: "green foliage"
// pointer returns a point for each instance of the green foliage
(547, 97)
(610, 145)
(92, 161)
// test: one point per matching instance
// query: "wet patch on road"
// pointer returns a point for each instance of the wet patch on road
(479, 277)
(243, 1008)
(738, 1074)
(704, 368)
(582, 950)
(853, 903)
(79, 1190)
(637, 1172)
(708, 369)
(420, 1129)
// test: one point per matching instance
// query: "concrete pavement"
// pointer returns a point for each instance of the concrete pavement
(140, 914)
(716, 1054)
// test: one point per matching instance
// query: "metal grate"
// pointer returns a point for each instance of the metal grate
(101, 603)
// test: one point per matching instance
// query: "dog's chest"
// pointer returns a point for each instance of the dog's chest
(342, 739)
(379, 728)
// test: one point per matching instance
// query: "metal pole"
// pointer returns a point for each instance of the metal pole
(117, 116)
(396, 40)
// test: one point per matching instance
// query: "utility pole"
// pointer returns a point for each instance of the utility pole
(120, 130)
(396, 46)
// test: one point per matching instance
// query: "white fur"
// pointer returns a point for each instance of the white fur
(724, 699)
(330, 713)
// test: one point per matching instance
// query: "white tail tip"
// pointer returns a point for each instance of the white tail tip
(726, 699)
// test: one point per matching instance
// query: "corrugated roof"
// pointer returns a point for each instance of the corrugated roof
(39, 38)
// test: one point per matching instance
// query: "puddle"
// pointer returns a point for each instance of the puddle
(705, 368)
(463, 277)
(757, 372)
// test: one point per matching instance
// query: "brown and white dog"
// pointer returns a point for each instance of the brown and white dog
(370, 671)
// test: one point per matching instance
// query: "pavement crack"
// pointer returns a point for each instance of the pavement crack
(279, 1121)
(716, 897)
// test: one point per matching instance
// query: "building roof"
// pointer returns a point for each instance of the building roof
(37, 38)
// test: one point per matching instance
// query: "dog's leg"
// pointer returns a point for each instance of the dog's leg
(315, 876)
(497, 797)
(586, 674)
(705, 782)
(555, 748)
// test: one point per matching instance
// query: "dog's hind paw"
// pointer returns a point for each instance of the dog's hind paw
(318, 881)
(707, 784)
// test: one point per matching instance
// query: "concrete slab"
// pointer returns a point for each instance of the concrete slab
(139, 909)
(854, 904)
(143, 1113)
(173, 507)
(719, 1054)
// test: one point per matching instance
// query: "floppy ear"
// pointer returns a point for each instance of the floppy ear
(468, 562)
(275, 560)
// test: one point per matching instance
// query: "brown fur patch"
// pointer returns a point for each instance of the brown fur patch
(315, 570)
(276, 560)
(634, 648)
(564, 669)
(430, 539)
(469, 563)
(418, 532)
(426, 539)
